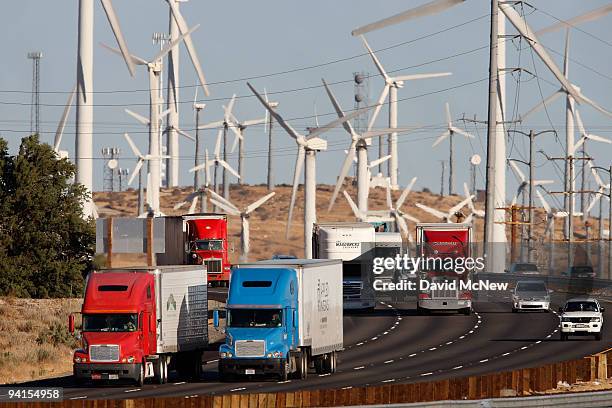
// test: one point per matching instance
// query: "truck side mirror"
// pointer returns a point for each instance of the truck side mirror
(295, 317)
(602, 309)
(560, 309)
(215, 318)
(71, 323)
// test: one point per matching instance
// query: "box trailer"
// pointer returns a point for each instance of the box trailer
(139, 321)
(353, 243)
(283, 315)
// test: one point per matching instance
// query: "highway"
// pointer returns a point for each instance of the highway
(394, 345)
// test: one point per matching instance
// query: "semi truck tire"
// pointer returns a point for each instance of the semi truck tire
(302, 365)
(161, 370)
(141, 374)
(284, 374)
(333, 362)
(467, 311)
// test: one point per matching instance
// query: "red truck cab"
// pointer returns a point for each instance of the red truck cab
(208, 244)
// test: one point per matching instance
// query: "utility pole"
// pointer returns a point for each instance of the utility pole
(140, 194)
(583, 183)
(35, 56)
(196, 176)
(270, 179)
(494, 264)
(609, 171)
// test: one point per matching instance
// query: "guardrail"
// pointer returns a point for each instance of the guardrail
(522, 382)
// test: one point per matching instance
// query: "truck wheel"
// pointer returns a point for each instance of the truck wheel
(161, 370)
(563, 336)
(141, 375)
(467, 311)
(422, 311)
(333, 359)
(303, 365)
(318, 364)
(196, 370)
(284, 374)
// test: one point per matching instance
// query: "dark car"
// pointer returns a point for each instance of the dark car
(580, 271)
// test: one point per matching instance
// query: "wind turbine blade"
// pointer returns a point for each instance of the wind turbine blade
(598, 179)
(183, 28)
(547, 101)
(583, 18)
(267, 114)
(212, 125)
(462, 132)
(218, 144)
(594, 105)
(346, 165)
(275, 115)
(258, 203)
(384, 131)
(187, 135)
(401, 223)
(245, 237)
(221, 199)
(198, 167)
(441, 138)
(379, 66)
(230, 106)
(225, 207)
(114, 23)
(433, 7)
(410, 218)
(421, 76)
(542, 182)
(138, 117)
(378, 106)
(237, 137)
(543, 202)
(459, 206)
(353, 206)
(132, 145)
(388, 197)
(432, 211)
(404, 194)
(598, 138)
(168, 47)
(579, 121)
(517, 171)
(137, 169)
(339, 121)
(192, 207)
(62, 123)
(135, 59)
(521, 25)
(468, 219)
(229, 168)
(253, 122)
(594, 201)
(347, 125)
(449, 119)
(296, 178)
(376, 162)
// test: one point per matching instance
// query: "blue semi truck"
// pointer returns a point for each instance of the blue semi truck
(283, 318)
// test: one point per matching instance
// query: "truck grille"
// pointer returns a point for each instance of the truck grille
(104, 352)
(443, 294)
(250, 348)
(351, 289)
(213, 265)
(580, 319)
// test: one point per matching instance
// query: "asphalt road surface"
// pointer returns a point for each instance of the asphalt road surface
(393, 345)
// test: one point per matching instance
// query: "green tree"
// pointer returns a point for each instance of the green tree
(46, 247)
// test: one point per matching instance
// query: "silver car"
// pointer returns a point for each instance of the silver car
(530, 295)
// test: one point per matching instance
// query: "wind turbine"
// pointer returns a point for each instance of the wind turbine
(62, 154)
(450, 132)
(174, 86)
(572, 93)
(602, 188)
(307, 147)
(358, 147)
(550, 228)
(524, 181)
(154, 69)
(218, 161)
(239, 139)
(199, 192)
(454, 211)
(84, 79)
(392, 84)
(138, 171)
(399, 216)
(244, 217)
(474, 211)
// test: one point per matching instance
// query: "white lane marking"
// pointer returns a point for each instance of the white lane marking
(471, 331)
(238, 389)
(284, 382)
(374, 338)
(359, 368)
(462, 337)
(179, 383)
(539, 341)
(484, 361)
(433, 348)
(211, 361)
(523, 348)
(324, 375)
(134, 390)
(388, 361)
(458, 367)
(76, 398)
(360, 344)
(424, 374)
(412, 355)
(347, 388)
(450, 342)
(506, 354)
(389, 380)
(385, 333)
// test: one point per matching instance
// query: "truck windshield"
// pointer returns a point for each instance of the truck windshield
(581, 307)
(209, 245)
(254, 317)
(531, 287)
(110, 322)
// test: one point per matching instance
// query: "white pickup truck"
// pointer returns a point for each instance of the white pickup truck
(581, 316)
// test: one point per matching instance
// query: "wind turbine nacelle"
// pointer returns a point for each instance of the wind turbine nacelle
(316, 143)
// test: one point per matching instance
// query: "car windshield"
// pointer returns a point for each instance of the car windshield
(254, 317)
(530, 287)
(209, 245)
(581, 307)
(525, 267)
(110, 322)
(581, 269)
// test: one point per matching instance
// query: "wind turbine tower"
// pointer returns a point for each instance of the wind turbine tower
(35, 56)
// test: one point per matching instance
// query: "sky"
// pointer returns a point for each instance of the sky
(311, 40)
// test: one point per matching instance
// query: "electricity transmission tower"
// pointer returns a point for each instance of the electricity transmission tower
(110, 170)
(35, 56)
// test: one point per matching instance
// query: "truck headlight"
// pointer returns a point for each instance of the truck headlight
(131, 359)
(77, 359)
(223, 354)
(277, 354)
(595, 319)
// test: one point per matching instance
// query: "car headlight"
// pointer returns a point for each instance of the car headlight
(595, 319)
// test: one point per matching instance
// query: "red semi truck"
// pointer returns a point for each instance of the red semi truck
(138, 322)
(208, 244)
(442, 247)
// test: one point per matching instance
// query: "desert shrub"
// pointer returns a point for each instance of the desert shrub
(56, 334)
